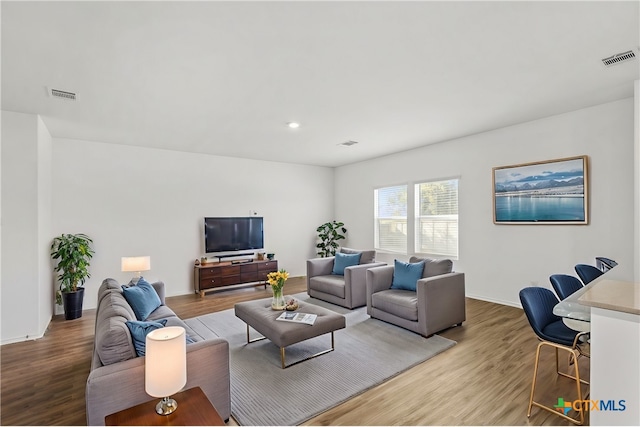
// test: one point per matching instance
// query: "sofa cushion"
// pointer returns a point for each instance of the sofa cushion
(343, 261)
(196, 329)
(332, 284)
(113, 341)
(139, 331)
(107, 286)
(434, 267)
(162, 312)
(406, 275)
(366, 257)
(142, 297)
(398, 302)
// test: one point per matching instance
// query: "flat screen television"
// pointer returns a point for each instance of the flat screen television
(223, 234)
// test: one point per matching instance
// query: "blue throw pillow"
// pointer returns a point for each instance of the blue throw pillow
(139, 331)
(142, 298)
(406, 275)
(344, 260)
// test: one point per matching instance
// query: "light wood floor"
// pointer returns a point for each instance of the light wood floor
(484, 380)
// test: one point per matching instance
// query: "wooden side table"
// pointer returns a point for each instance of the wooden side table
(194, 409)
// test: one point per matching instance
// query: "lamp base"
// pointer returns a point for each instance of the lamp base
(166, 406)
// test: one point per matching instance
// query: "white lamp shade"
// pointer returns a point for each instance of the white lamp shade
(136, 263)
(165, 361)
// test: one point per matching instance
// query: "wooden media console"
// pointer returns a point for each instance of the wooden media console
(210, 276)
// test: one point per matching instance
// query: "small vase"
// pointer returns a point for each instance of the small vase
(277, 302)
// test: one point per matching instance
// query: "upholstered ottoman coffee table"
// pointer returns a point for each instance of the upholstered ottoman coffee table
(259, 315)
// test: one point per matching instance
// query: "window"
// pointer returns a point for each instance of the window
(391, 218)
(436, 217)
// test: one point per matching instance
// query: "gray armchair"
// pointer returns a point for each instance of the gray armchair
(348, 290)
(437, 303)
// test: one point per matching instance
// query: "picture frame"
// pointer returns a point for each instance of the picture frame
(545, 192)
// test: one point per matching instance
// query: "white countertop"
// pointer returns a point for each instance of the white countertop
(613, 295)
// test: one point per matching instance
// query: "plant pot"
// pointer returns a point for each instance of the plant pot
(72, 303)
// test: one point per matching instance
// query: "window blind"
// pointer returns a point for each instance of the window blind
(391, 218)
(436, 231)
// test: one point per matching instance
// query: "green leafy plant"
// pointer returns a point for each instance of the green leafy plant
(72, 253)
(329, 234)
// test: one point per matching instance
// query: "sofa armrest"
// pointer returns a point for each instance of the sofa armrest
(159, 287)
(355, 282)
(319, 267)
(378, 279)
(356, 272)
(119, 386)
(441, 302)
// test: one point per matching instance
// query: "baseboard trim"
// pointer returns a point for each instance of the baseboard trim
(496, 301)
(21, 339)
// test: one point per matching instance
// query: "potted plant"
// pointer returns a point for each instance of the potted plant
(329, 234)
(72, 253)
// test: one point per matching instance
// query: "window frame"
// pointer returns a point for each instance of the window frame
(412, 218)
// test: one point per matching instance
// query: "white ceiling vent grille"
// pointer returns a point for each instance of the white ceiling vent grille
(348, 143)
(56, 93)
(619, 58)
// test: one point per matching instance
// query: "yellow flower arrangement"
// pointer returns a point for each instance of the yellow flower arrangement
(276, 279)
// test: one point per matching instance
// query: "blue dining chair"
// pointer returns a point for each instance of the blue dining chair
(587, 272)
(605, 264)
(565, 285)
(538, 306)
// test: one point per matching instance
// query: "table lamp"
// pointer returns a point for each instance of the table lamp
(165, 366)
(136, 264)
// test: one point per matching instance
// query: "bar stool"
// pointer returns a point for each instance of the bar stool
(538, 306)
(605, 264)
(564, 285)
(587, 273)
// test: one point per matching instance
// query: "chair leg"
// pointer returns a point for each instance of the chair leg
(535, 376)
(572, 357)
(573, 360)
(558, 411)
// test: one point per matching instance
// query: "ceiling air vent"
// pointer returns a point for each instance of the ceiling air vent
(62, 94)
(619, 58)
(348, 143)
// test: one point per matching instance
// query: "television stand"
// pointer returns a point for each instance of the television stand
(218, 275)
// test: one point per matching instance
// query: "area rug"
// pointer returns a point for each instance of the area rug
(367, 353)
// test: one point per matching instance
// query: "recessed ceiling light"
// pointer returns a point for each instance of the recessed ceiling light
(293, 125)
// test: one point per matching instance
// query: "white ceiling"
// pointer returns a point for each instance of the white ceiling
(224, 78)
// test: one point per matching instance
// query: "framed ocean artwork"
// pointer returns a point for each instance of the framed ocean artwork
(547, 192)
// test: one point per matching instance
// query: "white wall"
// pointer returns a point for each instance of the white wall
(46, 276)
(27, 303)
(636, 180)
(139, 201)
(499, 260)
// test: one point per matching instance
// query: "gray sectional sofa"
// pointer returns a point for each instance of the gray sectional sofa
(116, 380)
